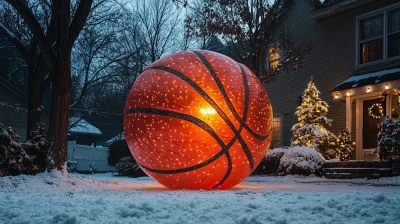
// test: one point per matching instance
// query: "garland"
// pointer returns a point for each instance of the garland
(376, 111)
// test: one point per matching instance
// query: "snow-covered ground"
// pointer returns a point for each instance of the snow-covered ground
(103, 198)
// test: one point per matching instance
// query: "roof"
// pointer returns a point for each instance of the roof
(369, 79)
(334, 7)
(216, 45)
(82, 127)
(120, 136)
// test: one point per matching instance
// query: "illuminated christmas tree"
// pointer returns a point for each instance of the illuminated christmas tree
(344, 147)
(310, 130)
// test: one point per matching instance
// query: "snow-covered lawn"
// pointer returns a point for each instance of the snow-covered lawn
(103, 198)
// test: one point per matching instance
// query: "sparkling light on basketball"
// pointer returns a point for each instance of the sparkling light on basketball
(198, 120)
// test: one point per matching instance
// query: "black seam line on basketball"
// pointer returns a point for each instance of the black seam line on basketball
(215, 106)
(224, 94)
(228, 172)
(195, 121)
(246, 104)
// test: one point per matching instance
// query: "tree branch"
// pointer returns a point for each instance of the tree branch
(26, 13)
(79, 20)
(15, 41)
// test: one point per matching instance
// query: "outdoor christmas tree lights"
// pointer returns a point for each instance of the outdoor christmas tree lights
(198, 120)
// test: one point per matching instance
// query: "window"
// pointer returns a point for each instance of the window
(393, 33)
(274, 56)
(276, 132)
(379, 36)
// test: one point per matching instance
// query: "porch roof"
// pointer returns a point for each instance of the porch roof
(368, 79)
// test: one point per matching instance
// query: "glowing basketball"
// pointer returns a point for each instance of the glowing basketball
(198, 120)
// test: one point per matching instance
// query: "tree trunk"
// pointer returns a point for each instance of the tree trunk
(59, 118)
(34, 102)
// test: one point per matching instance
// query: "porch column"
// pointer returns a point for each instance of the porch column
(348, 113)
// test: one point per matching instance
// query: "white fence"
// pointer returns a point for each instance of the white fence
(86, 155)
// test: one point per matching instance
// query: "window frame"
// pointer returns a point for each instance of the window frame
(280, 129)
(384, 11)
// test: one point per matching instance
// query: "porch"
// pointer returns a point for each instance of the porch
(369, 98)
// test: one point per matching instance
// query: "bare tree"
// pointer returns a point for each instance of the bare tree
(94, 60)
(159, 25)
(65, 24)
(196, 24)
(249, 26)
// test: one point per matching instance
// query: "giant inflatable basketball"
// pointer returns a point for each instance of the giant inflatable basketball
(198, 120)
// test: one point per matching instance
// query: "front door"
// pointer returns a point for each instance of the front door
(370, 128)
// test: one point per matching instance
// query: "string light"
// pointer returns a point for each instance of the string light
(376, 111)
(198, 120)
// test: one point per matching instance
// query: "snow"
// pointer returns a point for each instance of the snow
(121, 136)
(103, 198)
(83, 127)
(369, 75)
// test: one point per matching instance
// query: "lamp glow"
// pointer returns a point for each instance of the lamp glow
(337, 96)
(208, 111)
(387, 86)
(368, 89)
(348, 93)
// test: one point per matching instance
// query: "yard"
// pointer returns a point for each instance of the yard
(104, 198)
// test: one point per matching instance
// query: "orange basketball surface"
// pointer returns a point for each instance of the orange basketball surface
(198, 120)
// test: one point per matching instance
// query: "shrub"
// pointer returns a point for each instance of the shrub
(118, 149)
(37, 147)
(127, 167)
(270, 163)
(72, 166)
(389, 140)
(292, 161)
(344, 147)
(22, 158)
(300, 160)
(13, 158)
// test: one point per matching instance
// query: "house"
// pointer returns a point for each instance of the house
(83, 133)
(120, 136)
(354, 62)
(14, 91)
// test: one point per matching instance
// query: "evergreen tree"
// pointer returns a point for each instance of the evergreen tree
(344, 147)
(311, 116)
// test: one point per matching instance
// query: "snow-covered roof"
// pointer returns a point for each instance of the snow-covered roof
(82, 127)
(369, 79)
(116, 138)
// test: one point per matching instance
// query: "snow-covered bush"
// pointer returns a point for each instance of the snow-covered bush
(127, 167)
(22, 158)
(310, 130)
(72, 166)
(270, 163)
(36, 147)
(389, 140)
(297, 160)
(13, 158)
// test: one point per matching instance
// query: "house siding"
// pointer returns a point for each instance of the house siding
(331, 61)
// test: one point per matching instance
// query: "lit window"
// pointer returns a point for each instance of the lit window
(274, 56)
(276, 132)
(379, 36)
